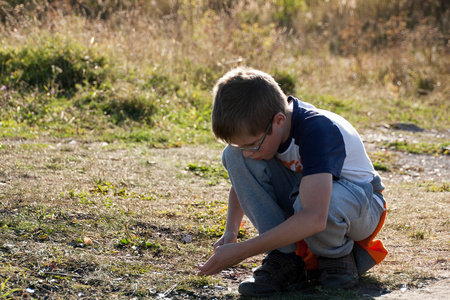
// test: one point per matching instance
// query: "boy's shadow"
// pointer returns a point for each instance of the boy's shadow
(367, 288)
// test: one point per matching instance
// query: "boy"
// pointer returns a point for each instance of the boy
(303, 178)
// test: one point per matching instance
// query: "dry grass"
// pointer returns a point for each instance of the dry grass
(68, 210)
(396, 68)
(51, 202)
(393, 56)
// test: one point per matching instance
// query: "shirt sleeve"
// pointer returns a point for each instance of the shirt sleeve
(322, 147)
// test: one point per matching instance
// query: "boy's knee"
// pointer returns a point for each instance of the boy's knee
(230, 154)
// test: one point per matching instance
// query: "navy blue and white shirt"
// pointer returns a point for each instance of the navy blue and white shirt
(321, 141)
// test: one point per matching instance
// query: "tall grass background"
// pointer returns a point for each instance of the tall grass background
(143, 70)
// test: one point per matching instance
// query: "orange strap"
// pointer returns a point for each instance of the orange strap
(310, 259)
(375, 248)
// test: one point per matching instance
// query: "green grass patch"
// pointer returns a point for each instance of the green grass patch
(54, 64)
(5, 290)
(58, 87)
(419, 147)
(432, 186)
(418, 235)
(381, 167)
(209, 172)
(218, 230)
(195, 282)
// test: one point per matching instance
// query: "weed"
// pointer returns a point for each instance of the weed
(150, 245)
(419, 148)
(208, 171)
(418, 235)
(54, 166)
(5, 291)
(218, 230)
(107, 203)
(381, 167)
(431, 186)
(199, 282)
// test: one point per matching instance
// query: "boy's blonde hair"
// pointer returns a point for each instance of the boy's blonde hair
(245, 102)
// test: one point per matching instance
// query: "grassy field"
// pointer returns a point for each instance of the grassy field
(110, 179)
(119, 221)
(143, 71)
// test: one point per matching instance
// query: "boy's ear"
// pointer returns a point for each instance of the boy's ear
(279, 119)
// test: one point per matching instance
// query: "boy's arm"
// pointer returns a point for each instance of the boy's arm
(234, 219)
(315, 194)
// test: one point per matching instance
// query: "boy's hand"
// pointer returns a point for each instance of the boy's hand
(227, 238)
(224, 257)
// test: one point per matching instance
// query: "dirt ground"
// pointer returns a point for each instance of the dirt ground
(416, 168)
(414, 269)
(407, 169)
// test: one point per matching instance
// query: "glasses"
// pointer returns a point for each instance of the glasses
(257, 148)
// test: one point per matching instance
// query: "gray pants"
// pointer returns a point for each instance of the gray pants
(268, 194)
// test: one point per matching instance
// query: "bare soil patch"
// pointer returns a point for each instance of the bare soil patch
(136, 205)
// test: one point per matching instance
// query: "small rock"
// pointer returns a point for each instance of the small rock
(8, 246)
(187, 239)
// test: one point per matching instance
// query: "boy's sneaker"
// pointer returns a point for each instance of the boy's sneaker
(278, 272)
(338, 273)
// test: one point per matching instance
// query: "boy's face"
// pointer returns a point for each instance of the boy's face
(263, 145)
